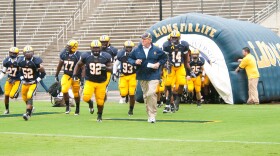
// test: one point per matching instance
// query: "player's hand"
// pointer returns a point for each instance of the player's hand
(103, 67)
(188, 78)
(115, 77)
(75, 78)
(192, 74)
(24, 82)
(56, 78)
(202, 78)
(237, 70)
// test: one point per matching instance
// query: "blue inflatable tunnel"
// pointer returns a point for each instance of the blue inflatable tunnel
(220, 42)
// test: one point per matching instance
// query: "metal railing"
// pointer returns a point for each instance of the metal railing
(265, 12)
(71, 23)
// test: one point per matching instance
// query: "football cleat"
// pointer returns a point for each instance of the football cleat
(99, 118)
(130, 112)
(172, 108)
(167, 109)
(91, 110)
(7, 111)
(177, 103)
(198, 103)
(26, 116)
(68, 110)
(77, 111)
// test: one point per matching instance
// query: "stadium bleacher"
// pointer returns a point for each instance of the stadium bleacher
(40, 21)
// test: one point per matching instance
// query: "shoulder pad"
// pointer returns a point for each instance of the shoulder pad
(120, 54)
(5, 60)
(107, 56)
(37, 60)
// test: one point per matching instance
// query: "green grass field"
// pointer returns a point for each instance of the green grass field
(230, 130)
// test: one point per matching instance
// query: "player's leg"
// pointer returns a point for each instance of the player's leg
(123, 87)
(66, 82)
(76, 92)
(100, 94)
(89, 88)
(181, 81)
(132, 83)
(29, 101)
(8, 88)
(190, 89)
(169, 81)
(197, 85)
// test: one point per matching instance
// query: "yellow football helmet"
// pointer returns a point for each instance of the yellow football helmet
(129, 44)
(95, 47)
(72, 46)
(175, 37)
(13, 52)
(175, 33)
(155, 44)
(95, 44)
(195, 52)
(105, 41)
(28, 52)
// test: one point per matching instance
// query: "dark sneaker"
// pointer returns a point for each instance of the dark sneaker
(99, 118)
(68, 109)
(26, 116)
(198, 103)
(166, 109)
(130, 112)
(77, 111)
(172, 108)
(91, 110)
(7, 111)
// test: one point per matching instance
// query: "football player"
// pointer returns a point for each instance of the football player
(177, 51)
(197, 68)
(69, 57)
(32, 72)
(12, 85)
(127, 82)
(108, 48)
(97, 64)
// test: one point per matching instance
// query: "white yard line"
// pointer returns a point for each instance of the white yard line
(141, 139)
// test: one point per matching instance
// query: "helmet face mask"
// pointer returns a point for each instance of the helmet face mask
(175, 40)
(105, 44)
(195, 54)
(128, 49)
(95, 51)
(13, 55)
(28, 54)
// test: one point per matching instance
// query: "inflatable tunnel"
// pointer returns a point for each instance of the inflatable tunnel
(220, 42)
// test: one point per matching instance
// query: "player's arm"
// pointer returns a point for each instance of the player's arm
(42, 72)
(115, 66)
(78, 66)
(109, 67)
(58, 68)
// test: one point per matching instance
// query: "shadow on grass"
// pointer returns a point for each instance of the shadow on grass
(39, 113)
(190, 121)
